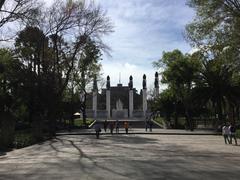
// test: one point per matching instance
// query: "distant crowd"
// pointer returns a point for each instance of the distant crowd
(111, 125)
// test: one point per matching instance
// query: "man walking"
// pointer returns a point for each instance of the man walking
(117, 126)
(111, 127)
(97, 128)
(105, 124)
(126, 125)
(232, 130)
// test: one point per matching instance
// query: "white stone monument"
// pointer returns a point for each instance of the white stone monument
(144, 91)
(156, 85)
(94, 94)
(108, 98)
(130, 85)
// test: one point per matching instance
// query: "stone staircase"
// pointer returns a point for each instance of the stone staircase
(132, 123)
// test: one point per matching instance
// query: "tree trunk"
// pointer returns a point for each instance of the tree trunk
(220, 114)
(237, 113)
(189, 119)
(175, 116)
(37, 127)
(84, 110)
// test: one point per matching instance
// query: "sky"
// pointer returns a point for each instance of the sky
(143, 29)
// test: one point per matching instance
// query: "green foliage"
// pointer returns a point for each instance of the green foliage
(52, 62)
(216, 27)
(79, 122)
(238, 133)
(23, 139)
(165, 103)
(214, 31)
(180, 72)
(160, 121)
(217, 82)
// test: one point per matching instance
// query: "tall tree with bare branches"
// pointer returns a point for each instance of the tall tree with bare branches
(16, 10)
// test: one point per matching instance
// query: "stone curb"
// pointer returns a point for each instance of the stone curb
(152, 133)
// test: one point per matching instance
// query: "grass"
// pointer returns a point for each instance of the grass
(79, 122)
(160, 120)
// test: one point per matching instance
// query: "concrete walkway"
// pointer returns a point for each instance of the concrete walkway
(133, 156)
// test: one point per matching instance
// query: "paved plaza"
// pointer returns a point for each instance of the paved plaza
(133, 156)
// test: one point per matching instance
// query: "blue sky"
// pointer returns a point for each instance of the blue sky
(143, 30)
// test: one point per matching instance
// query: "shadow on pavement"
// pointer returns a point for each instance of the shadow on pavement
(122, 157)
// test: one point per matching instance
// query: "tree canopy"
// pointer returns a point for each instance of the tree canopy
(55, 56)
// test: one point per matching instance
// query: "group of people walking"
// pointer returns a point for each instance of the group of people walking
(111, 125)
(229, 133)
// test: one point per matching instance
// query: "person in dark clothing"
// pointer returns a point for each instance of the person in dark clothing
(97, 129)
(117, 126)
(146, 125)
(150, 123)
(126, 126)
(111, 127)
(232, 129)
(105, 124)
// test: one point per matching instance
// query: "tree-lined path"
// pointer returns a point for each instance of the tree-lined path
(124, 157)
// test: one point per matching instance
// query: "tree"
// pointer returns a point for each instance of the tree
(179, 73)
(17, 10)
(10, 73)
(74, 22)
(88, 68)
(217, 84)
(215, 31)
(216, 27)
(60, 49)
(29, 47)
(164, 103)
(53, 50)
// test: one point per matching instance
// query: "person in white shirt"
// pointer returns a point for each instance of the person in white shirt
(226, 133)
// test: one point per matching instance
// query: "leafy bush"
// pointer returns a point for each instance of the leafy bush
(238, 133)
(79, 122)
(160, 121)
(23, 139)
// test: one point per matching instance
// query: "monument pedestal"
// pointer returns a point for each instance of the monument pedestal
(108, 104)
(144, 102)
(119, 113)
(131, 103)
(94, 105)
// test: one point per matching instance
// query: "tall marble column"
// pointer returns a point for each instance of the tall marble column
(130, 85)
(144, 92)
(156, 85)
(108, 100)
(94, 95)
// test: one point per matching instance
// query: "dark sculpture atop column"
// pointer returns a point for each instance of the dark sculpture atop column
(130, 84)
(144, 83)
(156, 82)
(95, 83)
(108, 83)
